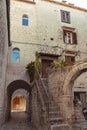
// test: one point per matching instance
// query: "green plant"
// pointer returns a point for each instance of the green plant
(37, 62)
(57, 64)
(31, 70)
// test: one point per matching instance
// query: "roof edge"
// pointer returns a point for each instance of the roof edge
(67, 5)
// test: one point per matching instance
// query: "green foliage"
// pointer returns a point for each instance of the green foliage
(31, 70)
(31, 66)
(37, 62)
(58, 64)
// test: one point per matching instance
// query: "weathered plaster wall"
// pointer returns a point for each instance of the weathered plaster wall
(45, 23)
(80, 84)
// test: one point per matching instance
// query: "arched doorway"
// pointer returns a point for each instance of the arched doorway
(67, 97)
(18, 98)
(79, 89)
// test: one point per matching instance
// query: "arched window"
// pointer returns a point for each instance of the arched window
(15, 55)
(25, 20)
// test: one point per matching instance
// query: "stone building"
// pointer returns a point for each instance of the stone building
(54, 30)
(33, 24)
(4, 42)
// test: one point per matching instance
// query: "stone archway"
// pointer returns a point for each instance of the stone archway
(66, 99)
(72, 75)
(12, 87)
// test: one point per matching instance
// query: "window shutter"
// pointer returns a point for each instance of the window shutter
(68, 17)
(74, 38)
(64, 34)
(61, 16)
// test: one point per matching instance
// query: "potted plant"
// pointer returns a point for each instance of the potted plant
(69, 63)
(58, 64)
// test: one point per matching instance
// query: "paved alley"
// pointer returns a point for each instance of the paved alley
(18, 121)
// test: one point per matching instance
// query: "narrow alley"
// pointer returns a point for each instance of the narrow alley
(18, 121)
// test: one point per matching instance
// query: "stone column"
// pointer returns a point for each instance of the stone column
(66, 106)
(3, 56)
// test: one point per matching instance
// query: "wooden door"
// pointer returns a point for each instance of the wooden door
(45, 65)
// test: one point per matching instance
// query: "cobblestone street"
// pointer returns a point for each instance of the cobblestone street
(18, 122)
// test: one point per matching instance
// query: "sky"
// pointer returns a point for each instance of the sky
(80, 3)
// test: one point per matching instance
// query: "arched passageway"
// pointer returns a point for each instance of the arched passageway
(79, 89)
(18, 98)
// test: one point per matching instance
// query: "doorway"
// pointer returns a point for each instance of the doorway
(45, 65)
(18, 103)
(81, 96)
(46, 61)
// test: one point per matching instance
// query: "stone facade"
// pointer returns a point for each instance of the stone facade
(62, 87)
(44, 25)
(3, 55)
(43, 34)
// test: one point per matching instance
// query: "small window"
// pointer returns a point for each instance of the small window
(69, 37)
(65, 16)
(25, 20)
(15, 55)
(70, 59)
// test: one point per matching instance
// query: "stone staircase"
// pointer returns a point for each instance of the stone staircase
(56, 119)
(54, 116)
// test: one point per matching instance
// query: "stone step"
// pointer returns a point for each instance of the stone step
(54, 113)
(59, 127)
(52, 103)
(56, 120)
(53, 108)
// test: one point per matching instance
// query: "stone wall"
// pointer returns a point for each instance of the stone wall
(44, 24)
(62, 86)
(39, 108)
(55, 83)
(56, 80)
(3, 55)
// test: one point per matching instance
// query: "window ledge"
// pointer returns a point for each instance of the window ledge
(71, 44)
(28, 1)
(68, 28)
